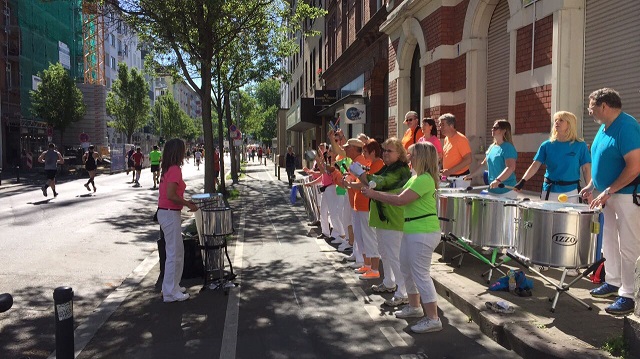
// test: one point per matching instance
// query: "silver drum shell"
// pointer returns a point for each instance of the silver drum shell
(452, 206)
(214, 217)
(556, 234)
(492, 221)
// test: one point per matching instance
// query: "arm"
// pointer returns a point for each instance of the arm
(407, 196)
(629, 173)
(41, 157)
(173, 197)
(466, 161)
(334, 145)
(60, 159)
(477, 171)
(531, 171)
(508, 170)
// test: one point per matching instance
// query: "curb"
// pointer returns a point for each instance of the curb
(519, 331)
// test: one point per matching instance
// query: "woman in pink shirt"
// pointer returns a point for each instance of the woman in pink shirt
(170, 205)
(430, 131)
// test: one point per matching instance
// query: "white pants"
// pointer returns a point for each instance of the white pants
(416, 251)
(347, 219)
(367, 234)
(621, 241)
(389, 247)
(553, 196)
(358, 246)
(332, 204)
(171, 225)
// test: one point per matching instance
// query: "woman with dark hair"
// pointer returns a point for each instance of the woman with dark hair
(500, 159)
(430, 134)
(170, 203)
(90, 160)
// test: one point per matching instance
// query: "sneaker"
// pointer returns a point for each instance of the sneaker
(321, 236)
(44, 190)
(55, 194)
(410, 312)
(351, 258)
(622, 306)
(344, 246)
(86, 185)
(381, 288)
(396, 301)
(94, 189)
(573, 272)
(337, 240)
(356, 265)
(370, 274)
(182, 290)
(426, 325)
(362, 269)
(605, 290)
(176, 298)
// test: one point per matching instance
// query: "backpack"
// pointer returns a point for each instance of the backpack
(523, 284)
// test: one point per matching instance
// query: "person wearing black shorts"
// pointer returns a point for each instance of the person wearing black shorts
(51, 159)
(138, 159)
(90, 160)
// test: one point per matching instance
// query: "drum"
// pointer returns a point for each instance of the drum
(557, 234)
(454, 212)
(492, 221)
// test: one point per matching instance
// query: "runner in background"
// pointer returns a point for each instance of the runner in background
(155, 156)
(138, 158)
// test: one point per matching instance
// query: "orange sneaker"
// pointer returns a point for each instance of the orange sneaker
(370, 274)
(363, 269)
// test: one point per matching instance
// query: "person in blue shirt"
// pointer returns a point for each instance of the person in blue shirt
(500, 159)
(615, 173)
(565, 155)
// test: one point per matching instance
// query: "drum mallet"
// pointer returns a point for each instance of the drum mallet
(564, 197)
(471, 188)
(502, 185)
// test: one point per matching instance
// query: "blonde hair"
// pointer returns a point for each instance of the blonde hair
(506, 126)
(424, 159)
(362, 137)
(572, 131)
(396, 144)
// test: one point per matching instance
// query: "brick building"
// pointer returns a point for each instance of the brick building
(521, 60)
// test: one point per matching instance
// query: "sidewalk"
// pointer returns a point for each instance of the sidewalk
(531, 332)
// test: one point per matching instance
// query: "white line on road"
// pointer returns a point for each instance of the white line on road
(230, 331)
(393, 337)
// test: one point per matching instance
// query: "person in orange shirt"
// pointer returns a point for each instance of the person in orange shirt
(342, 162)
(365, 236)
(414, 132)
(456, 152)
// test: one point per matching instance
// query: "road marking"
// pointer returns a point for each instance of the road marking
(88, 329)
(393, 337)
(230, 331)
(348, 278)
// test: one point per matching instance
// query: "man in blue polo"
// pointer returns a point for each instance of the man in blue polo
(615, 154)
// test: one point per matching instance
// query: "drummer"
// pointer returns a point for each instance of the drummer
(565, 156)
(500, 159)
(456, 152)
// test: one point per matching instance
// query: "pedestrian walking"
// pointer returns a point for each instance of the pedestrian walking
(131, 164)
(198, 157)
(90, 160)
(51, 159)
(155, 156)
(138, 158)
(290, 165)
(170, 203)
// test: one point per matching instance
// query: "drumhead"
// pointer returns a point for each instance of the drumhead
(490, 198)
(558, 207)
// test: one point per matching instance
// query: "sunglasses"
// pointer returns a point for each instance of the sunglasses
(387, 151)
(495, 128)
(409, 119)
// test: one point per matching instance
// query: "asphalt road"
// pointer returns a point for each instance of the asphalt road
(88, 241)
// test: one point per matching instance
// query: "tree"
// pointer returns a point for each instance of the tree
(169, 120)
(128, 101)
(57, 100)
(198, 36)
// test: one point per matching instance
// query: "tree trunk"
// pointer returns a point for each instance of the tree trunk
(207, 129)
(232, 148)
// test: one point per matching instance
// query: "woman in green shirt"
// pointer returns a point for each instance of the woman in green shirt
(421, 230)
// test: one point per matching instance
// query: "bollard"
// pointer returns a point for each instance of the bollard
(63, 300)
(18, 171)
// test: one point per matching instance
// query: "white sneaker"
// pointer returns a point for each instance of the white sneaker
(351, 258)
(396, 301)
(356, 265)
(336, 240)
(176, 297)
(344, 246)
(573, 272)
(426, 325)
(409, 312)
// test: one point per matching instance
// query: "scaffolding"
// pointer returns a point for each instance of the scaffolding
(93, 42)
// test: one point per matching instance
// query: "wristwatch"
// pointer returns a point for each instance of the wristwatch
(606, 191)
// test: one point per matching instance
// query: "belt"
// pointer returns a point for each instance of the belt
(170, 209)
(419, 217)
(461, 174)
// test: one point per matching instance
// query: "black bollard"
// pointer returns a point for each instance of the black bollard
(63, 300)
(18, 171)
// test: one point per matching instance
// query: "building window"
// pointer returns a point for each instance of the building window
(113, 63)
(113, 40)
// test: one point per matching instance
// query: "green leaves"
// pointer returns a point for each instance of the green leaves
(57, 100)
(128, 101)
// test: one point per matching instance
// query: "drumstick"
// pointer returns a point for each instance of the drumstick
(564, 197)
(471, 188)
(502, 185)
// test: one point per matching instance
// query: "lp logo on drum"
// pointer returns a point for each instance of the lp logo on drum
(564, 239)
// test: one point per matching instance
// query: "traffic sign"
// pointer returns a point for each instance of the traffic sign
(232, 128)
(83, 137)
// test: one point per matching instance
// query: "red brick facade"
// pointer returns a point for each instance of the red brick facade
(522, 164)
(444, 26)
(457, 110)
(445, 75)
(393, 52)
(543, 45)
(393, 93)
(533, 110)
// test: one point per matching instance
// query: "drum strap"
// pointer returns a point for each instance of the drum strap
(636, 196)
(559, 183)
(419, 217)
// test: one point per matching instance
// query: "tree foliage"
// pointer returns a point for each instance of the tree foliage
(170, 121)
(128, 101)
(57, 100)
(223, 42)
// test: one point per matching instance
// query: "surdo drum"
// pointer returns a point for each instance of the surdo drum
(453, 212)
(557, 234)
(492, 221)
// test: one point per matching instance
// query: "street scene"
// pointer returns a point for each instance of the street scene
(319, 179)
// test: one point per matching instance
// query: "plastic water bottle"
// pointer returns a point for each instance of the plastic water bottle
(512, 280)
(372, 184)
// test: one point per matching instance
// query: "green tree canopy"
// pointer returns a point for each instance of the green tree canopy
(128, 101)
(170, 121)
(57, 100)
